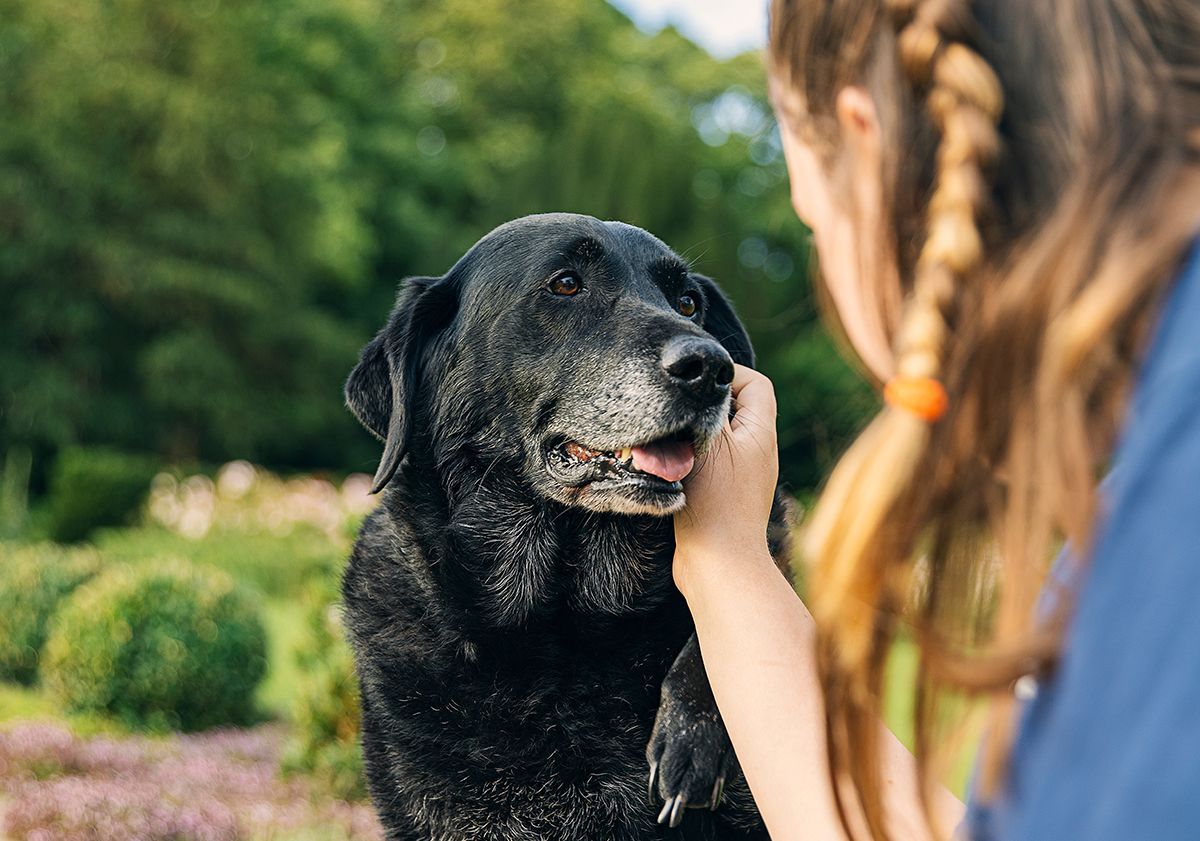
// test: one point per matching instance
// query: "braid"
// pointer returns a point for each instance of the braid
(965, 103)
(847, 540)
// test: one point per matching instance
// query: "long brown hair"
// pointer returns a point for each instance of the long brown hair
(1043, 171)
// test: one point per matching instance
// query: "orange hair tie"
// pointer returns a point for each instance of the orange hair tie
(921, 396)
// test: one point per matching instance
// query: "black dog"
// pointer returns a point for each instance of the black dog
(516, 630)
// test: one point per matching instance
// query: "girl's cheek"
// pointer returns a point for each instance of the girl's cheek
(809, 186)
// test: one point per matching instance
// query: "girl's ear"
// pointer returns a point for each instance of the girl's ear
(857, 117)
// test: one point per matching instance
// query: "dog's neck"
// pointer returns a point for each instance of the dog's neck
(511, 558)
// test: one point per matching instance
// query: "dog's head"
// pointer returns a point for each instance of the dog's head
(582, 354)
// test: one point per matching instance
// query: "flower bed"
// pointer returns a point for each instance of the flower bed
(217, 786)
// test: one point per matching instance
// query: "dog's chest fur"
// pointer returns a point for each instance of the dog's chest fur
(511, 655)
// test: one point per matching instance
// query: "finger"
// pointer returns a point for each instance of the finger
(754, 399)
(743, 376)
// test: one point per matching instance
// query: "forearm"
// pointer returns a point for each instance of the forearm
(756, 638)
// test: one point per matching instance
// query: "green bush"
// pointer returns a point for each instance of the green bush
(94, 487)
(33, 580)
(325, 714)
(177, 646)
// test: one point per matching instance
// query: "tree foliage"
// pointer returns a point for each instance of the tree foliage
(205, 205)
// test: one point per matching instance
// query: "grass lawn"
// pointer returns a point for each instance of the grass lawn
(276, 565)
(27, 703)
(23, 702)
(284, 620)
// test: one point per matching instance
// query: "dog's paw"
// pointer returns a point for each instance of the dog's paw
(691, 759)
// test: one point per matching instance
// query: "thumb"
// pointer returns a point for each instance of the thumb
(753, 400)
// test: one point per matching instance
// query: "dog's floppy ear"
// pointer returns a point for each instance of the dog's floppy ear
(382, 389)
(722, 323)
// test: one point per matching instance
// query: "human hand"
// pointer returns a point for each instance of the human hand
(729, 496)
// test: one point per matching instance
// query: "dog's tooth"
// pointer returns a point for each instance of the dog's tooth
(625, 453)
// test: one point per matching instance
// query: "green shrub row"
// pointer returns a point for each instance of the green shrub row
(95, 487)
(166, 646)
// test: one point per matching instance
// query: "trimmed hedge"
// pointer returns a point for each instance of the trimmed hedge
(94, 487)
(33, 581)
(172, 647)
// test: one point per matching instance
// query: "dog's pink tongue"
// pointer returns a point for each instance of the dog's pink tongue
(669, 460)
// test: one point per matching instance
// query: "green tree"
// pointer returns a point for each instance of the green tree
(205, 206)
(176, 208)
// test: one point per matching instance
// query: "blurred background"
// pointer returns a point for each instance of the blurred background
(205, 208)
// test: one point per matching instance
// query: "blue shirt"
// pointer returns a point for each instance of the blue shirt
(1109, 748)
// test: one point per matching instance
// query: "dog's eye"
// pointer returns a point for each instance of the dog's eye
(565, 284)
(687, 304)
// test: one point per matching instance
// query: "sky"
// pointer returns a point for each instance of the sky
(723, 27)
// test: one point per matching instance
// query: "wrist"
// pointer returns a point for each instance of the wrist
(699, 567)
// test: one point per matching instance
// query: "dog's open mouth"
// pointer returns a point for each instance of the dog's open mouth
(660, 465)
(670, 459)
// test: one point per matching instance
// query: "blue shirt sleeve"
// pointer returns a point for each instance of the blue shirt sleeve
(1109, 749)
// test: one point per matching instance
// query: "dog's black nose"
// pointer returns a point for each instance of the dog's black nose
(697, 364)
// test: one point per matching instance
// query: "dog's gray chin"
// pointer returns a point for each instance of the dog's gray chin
(619, 493)
(609, 498)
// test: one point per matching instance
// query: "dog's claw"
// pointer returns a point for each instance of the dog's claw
(718, 793)
(672, 811)
(666, 810)
(677, 811)
(653, 781)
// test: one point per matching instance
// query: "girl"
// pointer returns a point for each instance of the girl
(1005, 196)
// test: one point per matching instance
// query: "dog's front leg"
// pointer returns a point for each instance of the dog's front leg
(691, 757)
